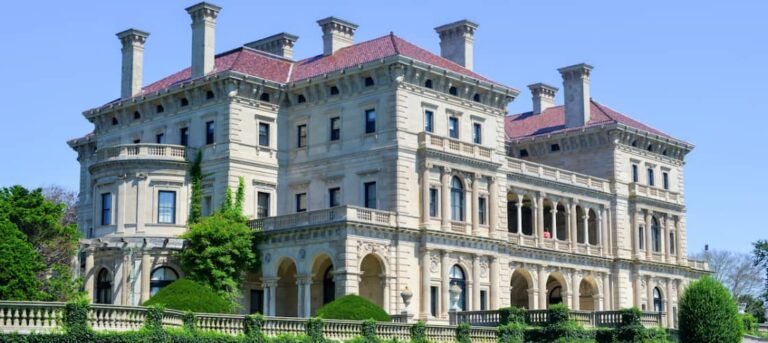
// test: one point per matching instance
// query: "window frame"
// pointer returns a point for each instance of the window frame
(334, 197)
(301, 197)
(160, 138)
(665, 180)
(301, 135)
(651, 178)
(370, 121)
(259, 209)
(429, 121)
(264, 136)
(162, 208)
(434, 198)
(210, 132)
(635, 173)
(184, 136)
(477, 133)
(368, 200)
(454, 132)
(482, 210)
(335, 133)
(106, 211)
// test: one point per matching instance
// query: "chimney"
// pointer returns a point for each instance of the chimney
(133, 61)
(543, 96)
(280, 44)
(337, 34)
(203, 37)
(576, 88)
(457, 41)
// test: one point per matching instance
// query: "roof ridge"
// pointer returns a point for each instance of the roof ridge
(394, 42)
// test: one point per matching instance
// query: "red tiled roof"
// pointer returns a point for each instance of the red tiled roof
(552, 120)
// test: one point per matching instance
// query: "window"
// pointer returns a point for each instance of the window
(641, 238)
(136, 115)
(104, 287)
(370, 194)
(650, 147)
(264, 97)
(370, 121)
(477, 133)
(655, 235)
(335, 128)
(301, 202)
(428, 84)
(302, 135)
(207, 205)
(159, 109)
(184, 102)
(160, 138)
(257, 301)
(301, 99)
(476, 97)
(483, 300)
(554, 147)
(166, 207)
(161, 277)
(635, 177)
(453, 91)
(457, 199)
(263, 134)
(457, 279)
(334, 197)
(262, 205)
(658, 305)
(209, 95)
(650, 177)
(481, 210)
(106, 208)
(672, 243)
(429, 121)
(210, 129)
(453, 127)
(433, 299)
(368, 81)
(136, 141)
(523, 153)
(334, 90)
(433, 202)
(665, 180)
(114, 121)
(184, 136)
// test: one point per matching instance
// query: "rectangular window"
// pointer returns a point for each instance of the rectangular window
(334, 197)
(335, 128)
(635, 177)
(481, 210)
(263, 134)
(184, 136)
(262, 205)
(160, 138)
(370, 194)
(650, 177)
(106, 208)
(370, 121)
(136, 141)
(257, 301)
(433, 202)
(483, 300)
(429, 121)
(210, 128)
(166, 207)
(665, 180)
(453, 127)
(433, 299)
(477, 133)
(302, 135)
(301, 202)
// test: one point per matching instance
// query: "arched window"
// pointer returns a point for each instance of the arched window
(556, 295)
(457, 199)
(655, 235)
(114, 121)
(329, 287)
(453, 91)
(428, 83)
(264, 97)
(658, 306)
(136, 115)
(104, 287)
(161, 277)
(209, 95)
(159, 109)
(302, 99)
(457, 278)
(476, 97)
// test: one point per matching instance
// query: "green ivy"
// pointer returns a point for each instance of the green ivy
(252, 326)
(369, 331)
(511, 333)
(508, 315)
(314, 329)
(196, 175)
(419, 332)
(462, 333)
(190, 321)
(154, 318)
(75, 319)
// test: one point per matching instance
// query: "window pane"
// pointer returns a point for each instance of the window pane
(160, 138)
(302, 135)
(481, 210)
(301, 202)
(106, 209)
(335, 128)
(370, 121)
(262, 205)
(477, 134)
(428, 121)
(334, 197)
(166, 207)
(453, 127)
(263, 134)
(433, 202)
(184, 136)
(370, 194)
(209, 131)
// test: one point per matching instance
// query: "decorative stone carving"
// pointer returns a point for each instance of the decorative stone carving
(364, 248)
(483, 267)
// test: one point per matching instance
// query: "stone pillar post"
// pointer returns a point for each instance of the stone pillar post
(585, 218)
(445, 204)
(270, 295)
(554, 220)
(494, 280)
(493, 206)
(608, 235)
(668, 303)
(90, 273)
(576, 291)
(662, 238)
(425, 284)
(347, 282)
(648, 242)
(539, 218)
(668, 245)
(425, 196)
(445, 284)
(146, 269)
(606, 292)
(638, 288)
(385, 281)
(600, 236)
(475, 283)
(125, 279)
(543, 276)
(475, 205)
(678, 251)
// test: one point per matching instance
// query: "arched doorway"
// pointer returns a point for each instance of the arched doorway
(520, 286)
(588, 292)
(286, 304)
(323, 286)
(104, 287)
(160, 278)
(458, 278)
(371, 284)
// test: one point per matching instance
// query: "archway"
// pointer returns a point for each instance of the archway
(556, 289)
(588, 292)
(160, 278)
(458, 278)
(371, 284)
(519, 287)
(104, 287)
(286, 304)
(658, 300)
(323, 286)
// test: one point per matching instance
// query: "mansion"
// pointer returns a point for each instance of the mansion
(378, 167)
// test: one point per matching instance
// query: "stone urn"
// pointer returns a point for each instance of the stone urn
(455, 292)
(406, 294)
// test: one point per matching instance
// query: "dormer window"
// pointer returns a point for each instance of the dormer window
(159, 109)
(136, 115)
(209, 95)
(334, 90)
(114, 121)
(476, 97)
(368, 81)
(301, 99)
(554, 147)
(184, 102)
(428, 84)
(453, 91)
(264, 97)
(523, 153)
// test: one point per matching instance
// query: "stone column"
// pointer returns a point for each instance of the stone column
(668, 245)
(662, 238)
(347, 282)
(539, 218)
(585, 218)
(606, 292)
(475, 283)
(543, 275)
(475, 205)
(576, 291)
(425, 196)
(648, 241)
(146, 269)
(637, 285)
(600, 236)
(385, 281)
(553, 211)
(445, 204)
(270, 295)
(649, 293)
(304, 284)
(678, 253)
(668, 303)
(636, 232)
(445, 284)
(494, 280)
(425, 284)
(90, 273)
(519, 214)
(125, 279)
(493, 206)
(574, 226)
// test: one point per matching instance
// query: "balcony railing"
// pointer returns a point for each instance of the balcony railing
(326, 216)
(142, 151)
(697, 264)
(558, 175)
(454, 146)
(636, 189)
(555, 244)
(541, 317)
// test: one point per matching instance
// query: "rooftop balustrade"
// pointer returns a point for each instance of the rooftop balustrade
(454, 146)
(338, 214)
(558, 175)
(143, 151)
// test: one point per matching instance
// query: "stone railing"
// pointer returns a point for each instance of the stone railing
(698, 264)
(541, 317)
(516, 165)
(555, 244)
(326, 216)
(636, 189)
(450, 145)
(26, 317)
(142, 151)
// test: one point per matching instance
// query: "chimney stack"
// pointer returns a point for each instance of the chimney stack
(133, 61)
(457, 42)
(337, 34)
(280, 44)
(203, 37)
(576, 88)
(543, 96)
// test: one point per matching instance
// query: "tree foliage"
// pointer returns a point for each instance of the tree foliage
(20, 265)
(761, 260)
(196, 176)
(736, 271)
(708, 313)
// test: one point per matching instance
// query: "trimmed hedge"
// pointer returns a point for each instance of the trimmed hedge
(352, 307)
(509, 315)
(187, 295)
(709, 314)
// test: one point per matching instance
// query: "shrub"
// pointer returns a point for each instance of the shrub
(190, 322)
(463, 333)
(352, 307)
(508, 315)
(708, 314)
(187, 295)
(558, 314)
(419, 332)
(252, 325)
(749, 322)
(369, 332)
(75, 319)
(315, 330)
(511, 333)
(630, 316)
(154, 318)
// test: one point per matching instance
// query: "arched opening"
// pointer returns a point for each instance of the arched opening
(658, 301)
(428, 84)
(580, 229)
(160, 278)
(264, 97)
(458, 279)
(561, 217)
(588, 292)
(286, 304)
(104, 287)
(655, 235)
(457, 199)
(476, 97)
(453, 91)
(592, 226)
(525, 215)
(555, 289)
(371, 284)
(549, 224)
(323, 286)
(519, 288)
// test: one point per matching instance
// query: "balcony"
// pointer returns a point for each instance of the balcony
(555, 244)
(557, 175)
(636, 189)
(142, 151)
(324, 217)
(453, 146)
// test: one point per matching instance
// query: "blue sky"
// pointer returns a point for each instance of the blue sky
(694, 69)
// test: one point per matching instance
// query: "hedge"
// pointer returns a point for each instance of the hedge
(187, 295)
(352, 307)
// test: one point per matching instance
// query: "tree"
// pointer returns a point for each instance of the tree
(761, 260)
(735, 270)
(62, 196)
(20, 265)
(708, 313)
(754, 307)
(196, 175)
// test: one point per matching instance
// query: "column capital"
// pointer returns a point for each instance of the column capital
(304, 279)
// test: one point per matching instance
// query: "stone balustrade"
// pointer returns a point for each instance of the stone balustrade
(142, 151)
(454, 146)
(697, 264)
(540, 317)
(556, 244)
(29, 316)
(636, 189)
(542, 171)
(326, 216)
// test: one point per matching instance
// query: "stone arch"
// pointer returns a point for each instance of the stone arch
(557, 289)
(323, 288)
(520, 285)
(589, 291)
(592, 227)
(287, 302)
(372, 277)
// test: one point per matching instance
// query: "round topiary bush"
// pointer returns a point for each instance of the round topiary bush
(187, 295)
(708, 314)
(352, 307)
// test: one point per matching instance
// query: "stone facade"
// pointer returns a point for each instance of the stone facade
(375, 178)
